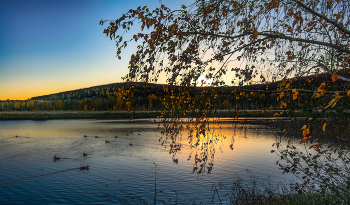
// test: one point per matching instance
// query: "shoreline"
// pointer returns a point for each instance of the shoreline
(139, 114)
(54, 115)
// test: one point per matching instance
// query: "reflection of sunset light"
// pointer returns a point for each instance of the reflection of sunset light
(220, 143)
(234, 146)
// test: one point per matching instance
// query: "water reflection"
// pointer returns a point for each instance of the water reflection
(191, 157)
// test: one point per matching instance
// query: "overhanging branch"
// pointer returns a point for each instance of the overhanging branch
(278, 36)
(340, 27)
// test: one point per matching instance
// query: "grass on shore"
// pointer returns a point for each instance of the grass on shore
(241, 193)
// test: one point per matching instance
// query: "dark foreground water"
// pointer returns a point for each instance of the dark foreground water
(119, 171)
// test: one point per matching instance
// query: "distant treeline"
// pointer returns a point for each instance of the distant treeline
(141, 96)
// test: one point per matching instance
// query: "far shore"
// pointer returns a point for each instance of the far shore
(51, 115)
(140, 114)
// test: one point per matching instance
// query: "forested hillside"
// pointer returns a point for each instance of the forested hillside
(142, 96)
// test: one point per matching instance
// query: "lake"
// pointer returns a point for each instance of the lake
(128, 166)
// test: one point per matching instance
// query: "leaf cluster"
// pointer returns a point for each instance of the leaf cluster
(284, 36)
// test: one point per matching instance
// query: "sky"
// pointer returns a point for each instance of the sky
(51, 46)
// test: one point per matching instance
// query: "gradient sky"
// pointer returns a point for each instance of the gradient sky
(50, 46)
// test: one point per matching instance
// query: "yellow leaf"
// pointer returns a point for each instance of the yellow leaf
(295, 93)
(282, 84)
(322, 88)
(348, 92)
(276, 114)
(337, 96)
(304, 127)
(331, 103)
(281, 95)
(306, 132)
(283, 104)
(310, 118)
(334, 78)
(316, 95)
(287, 85)
(324, 126)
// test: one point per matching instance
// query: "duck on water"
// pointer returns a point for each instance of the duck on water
(84, 168)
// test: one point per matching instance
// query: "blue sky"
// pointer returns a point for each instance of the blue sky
(49, 46)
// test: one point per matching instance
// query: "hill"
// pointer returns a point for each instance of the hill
(149, 96)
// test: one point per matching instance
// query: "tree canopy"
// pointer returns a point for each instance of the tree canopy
(253, 39)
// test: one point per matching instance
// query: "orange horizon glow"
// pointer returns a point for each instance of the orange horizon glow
(22, 92)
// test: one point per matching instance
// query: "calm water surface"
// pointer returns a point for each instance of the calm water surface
(118, 171)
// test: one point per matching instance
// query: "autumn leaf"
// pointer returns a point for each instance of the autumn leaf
(322, 88)
(334, 78)
(332, 103)
(295, 93)
(337, 96)
(306, 132)
(316, 95)
(287, 85)
(255, 34)
(324, 127)
(315, 145)
(304, 127)
(283, 104)
(303, 140)
(280, 96)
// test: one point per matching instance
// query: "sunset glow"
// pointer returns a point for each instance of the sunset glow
(55, 46)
